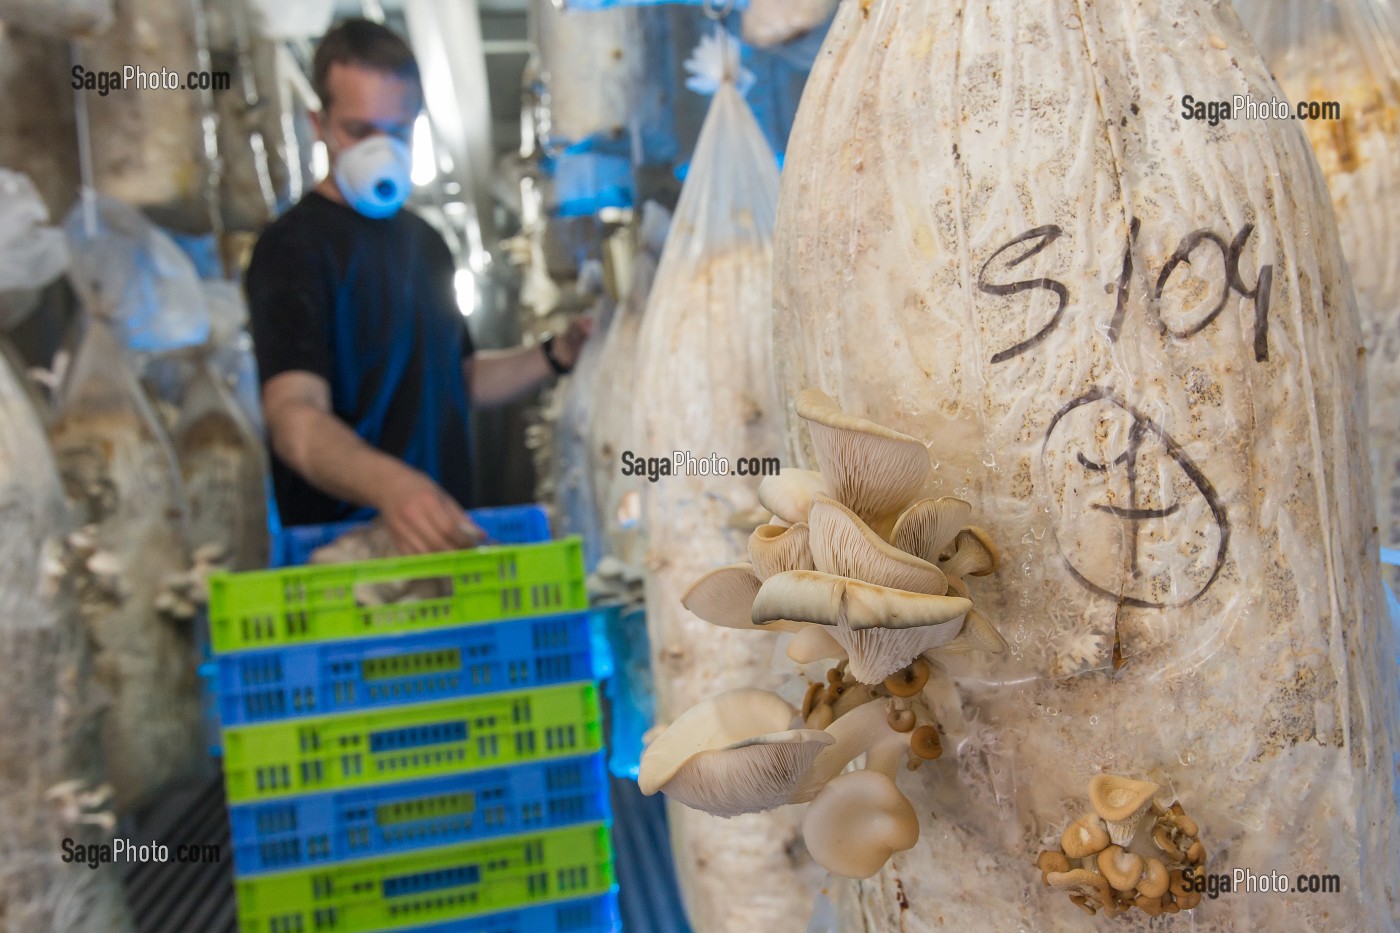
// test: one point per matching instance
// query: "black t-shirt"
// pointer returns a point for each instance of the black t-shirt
(369, 306)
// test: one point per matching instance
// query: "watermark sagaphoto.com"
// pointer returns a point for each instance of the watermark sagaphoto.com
(125, 851)
(686, 463)
(1245, 107)
(136, 78)
(1245, 881)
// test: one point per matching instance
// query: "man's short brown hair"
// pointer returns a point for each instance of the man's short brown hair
(365, 43)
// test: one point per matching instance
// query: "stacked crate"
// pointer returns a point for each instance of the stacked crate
(430, 764)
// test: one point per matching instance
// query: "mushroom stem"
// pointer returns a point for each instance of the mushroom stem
(857, 732)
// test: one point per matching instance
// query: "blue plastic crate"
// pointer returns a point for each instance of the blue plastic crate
(439, 664)
(586, 915)
(510, 524)
(315, 829)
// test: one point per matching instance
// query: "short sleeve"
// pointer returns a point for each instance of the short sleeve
(289, 305)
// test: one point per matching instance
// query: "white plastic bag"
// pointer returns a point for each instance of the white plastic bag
(45, 695)
(773, 22)
(1348, 51)
(120, 475)
(137, 277)
(64, 19)
(704, 388)
(32, 254)
(615, 398)
(986, 220)
(573, 481)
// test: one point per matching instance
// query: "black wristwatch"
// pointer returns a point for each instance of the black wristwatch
(547, 345)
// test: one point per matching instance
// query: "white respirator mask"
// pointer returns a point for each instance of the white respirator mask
(374, 175)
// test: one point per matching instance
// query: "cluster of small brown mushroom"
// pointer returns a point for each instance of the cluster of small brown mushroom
(1099, 866)
(858, 569)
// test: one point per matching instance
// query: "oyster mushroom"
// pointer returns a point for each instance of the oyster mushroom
(1120, 868)
(1154, 880)
(864, 730)
(925, 743)
(978, 634)
(1084, 837)
(927, 527)
(814, 643)
(789, 494)
(725, 597)
(857, 822)
(1121, 802)
(732, 754)
(974, 555)
(883, 630)
(910, 681)
(775, 549)
(1049, 861)
(870, 469)
(844, 545)
(1083, 884)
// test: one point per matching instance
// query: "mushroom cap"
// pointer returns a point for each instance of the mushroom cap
(1122, 869)
(927, 527)
(1154, 879)
(883, 630)
(1121, 802)
(974, 554)
(789, 494)
(1084, 837)
(775, 549)
(1084, 883)
(731, 754)
(857, 821)
(978, 634)
(871, 469)
(844, 545)
(814, 643)
(725, 597)
(909, 681)
(925, 742)
(1051, 860)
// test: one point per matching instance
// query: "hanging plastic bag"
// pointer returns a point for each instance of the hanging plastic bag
(773, 22)
(615, 398)
(231, 349)
(144, 283)
(121, 476)
(32, 254)
(704, 391)
(1128, 337)
(573, 480)
(64, 19)
(223, 466)
(1348, 52)
(45, 697)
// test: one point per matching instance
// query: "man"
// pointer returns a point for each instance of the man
(365, 360)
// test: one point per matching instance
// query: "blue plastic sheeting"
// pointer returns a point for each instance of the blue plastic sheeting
(631, 699)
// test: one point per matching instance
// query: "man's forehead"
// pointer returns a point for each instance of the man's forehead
(374, 96)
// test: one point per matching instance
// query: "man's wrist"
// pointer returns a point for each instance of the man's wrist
(547, 348)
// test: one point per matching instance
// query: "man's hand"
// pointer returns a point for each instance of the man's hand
(422, 517)
(568, 345)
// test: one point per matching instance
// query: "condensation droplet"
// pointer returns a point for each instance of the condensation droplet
(1093, 720)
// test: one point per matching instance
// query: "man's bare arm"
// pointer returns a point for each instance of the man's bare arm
(499, 377)
(333, 458)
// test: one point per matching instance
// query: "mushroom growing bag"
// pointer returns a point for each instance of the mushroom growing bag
(704, 388)
(120, 475)
(615, 396)
(1131, 342)
(45, 698)
(1348, 51)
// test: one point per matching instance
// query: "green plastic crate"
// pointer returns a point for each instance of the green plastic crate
(320, 753)
(297, 605)
(431, 886)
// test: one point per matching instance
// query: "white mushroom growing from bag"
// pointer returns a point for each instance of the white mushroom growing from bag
(1130, 340)
(820, 571)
